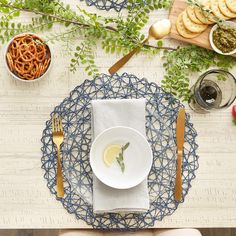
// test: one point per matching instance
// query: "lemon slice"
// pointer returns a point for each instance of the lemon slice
(110, 153)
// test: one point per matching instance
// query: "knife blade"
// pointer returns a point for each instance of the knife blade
(180, 130)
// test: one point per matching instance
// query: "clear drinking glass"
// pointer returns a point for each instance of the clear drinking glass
(215, 89)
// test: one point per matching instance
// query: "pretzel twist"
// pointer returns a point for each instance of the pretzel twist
(28, 57)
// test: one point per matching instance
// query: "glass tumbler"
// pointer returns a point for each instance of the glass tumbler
(215, 89)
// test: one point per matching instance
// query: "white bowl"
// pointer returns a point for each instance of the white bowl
(138, 158)
(14, 75)
(230, 23)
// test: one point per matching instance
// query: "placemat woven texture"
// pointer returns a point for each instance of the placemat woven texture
(161, 114)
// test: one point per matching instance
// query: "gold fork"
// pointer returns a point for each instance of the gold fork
(57, 137)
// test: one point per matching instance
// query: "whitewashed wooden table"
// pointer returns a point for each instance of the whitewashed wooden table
(25, 201)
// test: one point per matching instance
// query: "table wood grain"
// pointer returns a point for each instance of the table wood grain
(25, 201)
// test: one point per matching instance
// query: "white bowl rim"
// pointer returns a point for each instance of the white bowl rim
(231, 23)
(144, 139)
(14, 75)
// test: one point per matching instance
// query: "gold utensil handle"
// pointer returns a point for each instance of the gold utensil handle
(60, 184)
(122, 61)
(125, 59)
(178, 181)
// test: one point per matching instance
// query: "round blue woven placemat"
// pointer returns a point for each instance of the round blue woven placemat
(161, 113)
(107, 5)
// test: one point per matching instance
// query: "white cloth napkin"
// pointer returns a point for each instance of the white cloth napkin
(107, 114)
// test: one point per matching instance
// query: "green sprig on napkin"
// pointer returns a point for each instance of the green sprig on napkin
(120, 158)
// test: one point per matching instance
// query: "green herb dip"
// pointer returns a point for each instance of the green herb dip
(224, 38)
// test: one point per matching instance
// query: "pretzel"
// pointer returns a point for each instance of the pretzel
(28, 57)
(10, 61)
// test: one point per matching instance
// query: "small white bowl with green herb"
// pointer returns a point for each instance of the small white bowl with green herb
(223, 38)
(129, 166)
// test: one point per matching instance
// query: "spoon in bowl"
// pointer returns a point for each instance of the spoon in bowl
(157, 31)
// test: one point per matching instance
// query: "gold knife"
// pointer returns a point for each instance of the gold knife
(180, 127)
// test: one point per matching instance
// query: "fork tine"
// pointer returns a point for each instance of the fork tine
(57, 124)
(60, 124)
(53, 123)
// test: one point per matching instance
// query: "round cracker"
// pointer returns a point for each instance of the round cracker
(182, 30)
(191, 26)
(205, 3)
(231, 4)
(210, 18)
(225, 10)
(202, 17)
(191, 14)
(214, 5)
